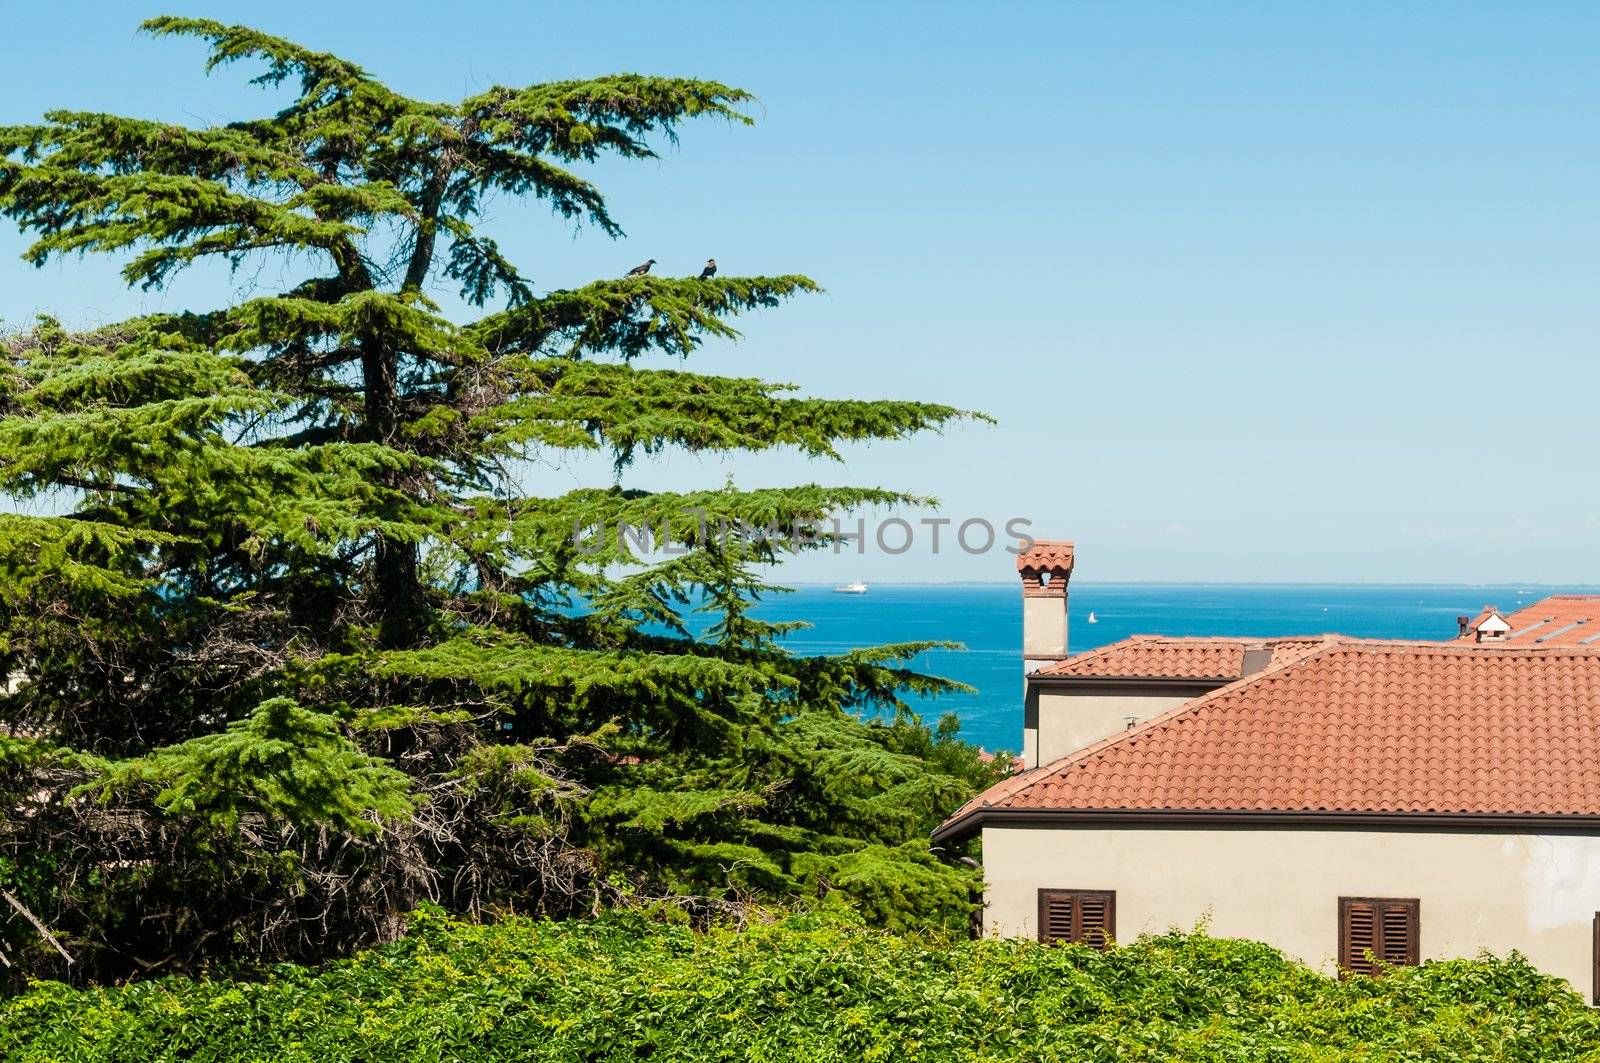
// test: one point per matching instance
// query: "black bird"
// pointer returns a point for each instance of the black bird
(642, 268)
(710, 270)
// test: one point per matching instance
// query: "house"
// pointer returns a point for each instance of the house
(1559, 620)
(1487, 626)
(1342, 799)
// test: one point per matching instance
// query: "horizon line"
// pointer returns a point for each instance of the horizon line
(1213, 583)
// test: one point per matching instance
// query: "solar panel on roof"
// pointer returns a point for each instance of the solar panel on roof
(1562, 630)
(1529, 629)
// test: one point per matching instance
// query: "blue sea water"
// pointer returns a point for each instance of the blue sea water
(987, 620)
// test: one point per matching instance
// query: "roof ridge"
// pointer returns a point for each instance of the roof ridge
(1100, 651)
(1090, 663)
(1199, 638)
(1460, 646)
(1220, 639)
(1056, 767)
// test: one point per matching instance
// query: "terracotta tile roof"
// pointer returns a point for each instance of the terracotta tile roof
(1046, 554)
(1286, 650)
(1559, 620)
(1358, 726)
(1161, 657)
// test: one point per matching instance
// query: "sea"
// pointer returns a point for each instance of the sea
(986, 619)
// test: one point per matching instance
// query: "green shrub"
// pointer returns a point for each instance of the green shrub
(809, 987)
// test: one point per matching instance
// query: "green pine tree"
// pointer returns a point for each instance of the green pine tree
(290, 650)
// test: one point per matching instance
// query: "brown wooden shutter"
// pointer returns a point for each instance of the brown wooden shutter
(1085, 917)
(1096, 922)
(1056, 910)
(1597, 957)
(1358, 934)
(1378, 930)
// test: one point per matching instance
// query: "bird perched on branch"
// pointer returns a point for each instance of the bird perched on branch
(710, 269)
(642, 268)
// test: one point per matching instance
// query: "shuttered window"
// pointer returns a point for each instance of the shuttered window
(1374, 930)
(1084, 917)
(1597, 957)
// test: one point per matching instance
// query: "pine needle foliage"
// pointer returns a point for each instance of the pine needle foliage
(291, 648)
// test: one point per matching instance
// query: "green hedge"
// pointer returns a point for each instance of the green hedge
(808, 988)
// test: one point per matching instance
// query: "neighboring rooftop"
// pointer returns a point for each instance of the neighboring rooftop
(1354, 726)
(1163, 657)
(1559, 620)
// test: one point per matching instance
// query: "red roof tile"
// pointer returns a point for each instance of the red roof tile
(1161, 657)
(1356, 726)
(1046, 554)
(1559, 620)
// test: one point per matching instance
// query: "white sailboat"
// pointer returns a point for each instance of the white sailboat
(851, 588)
(1092, 620)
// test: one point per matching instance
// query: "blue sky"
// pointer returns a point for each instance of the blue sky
(1256, 291)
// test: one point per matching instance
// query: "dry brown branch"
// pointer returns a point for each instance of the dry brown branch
(43, 930)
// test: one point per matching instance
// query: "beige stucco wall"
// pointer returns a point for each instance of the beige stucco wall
(1044, 628)
(1496, 891)
(1061, 721)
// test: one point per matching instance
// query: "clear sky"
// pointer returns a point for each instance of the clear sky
(1256, 291)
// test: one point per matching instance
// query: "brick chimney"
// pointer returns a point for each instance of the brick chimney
(1046, 567)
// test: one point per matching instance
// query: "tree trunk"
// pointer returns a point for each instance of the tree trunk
(398, 598)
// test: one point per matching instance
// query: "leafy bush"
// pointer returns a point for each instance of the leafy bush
(810, 987)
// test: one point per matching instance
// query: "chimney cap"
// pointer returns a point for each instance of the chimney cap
(1046, 555)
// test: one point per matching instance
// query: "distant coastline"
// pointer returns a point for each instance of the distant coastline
(986, 618)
